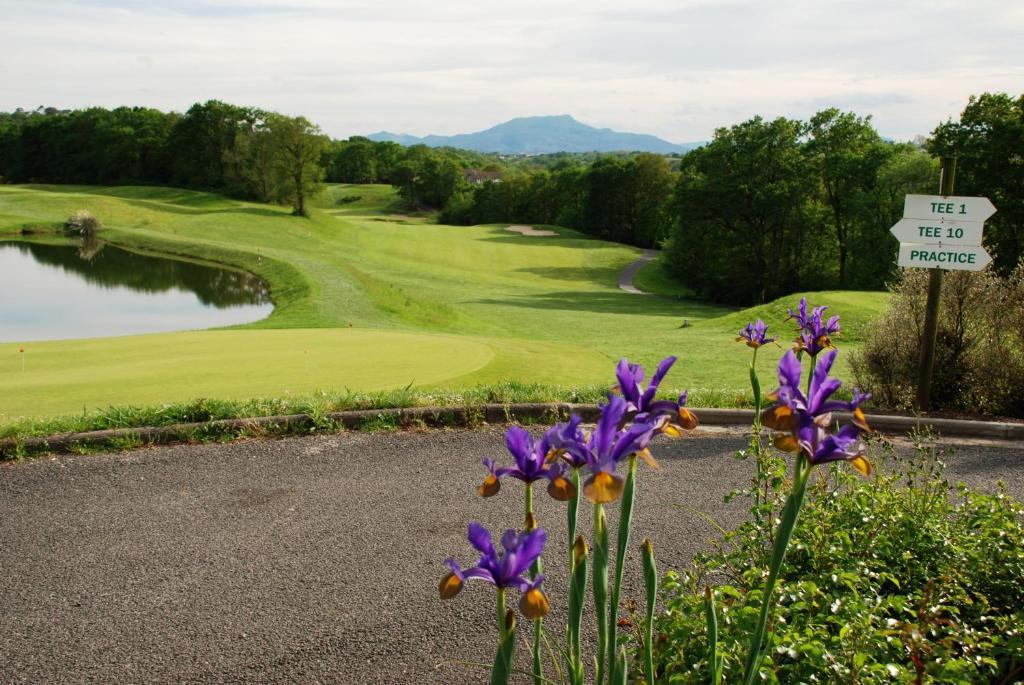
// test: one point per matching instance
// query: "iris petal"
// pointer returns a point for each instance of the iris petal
(561, 488)
(603, 487)
(450, 586)
(534, 604)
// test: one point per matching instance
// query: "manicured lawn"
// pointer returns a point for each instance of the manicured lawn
(429, 305)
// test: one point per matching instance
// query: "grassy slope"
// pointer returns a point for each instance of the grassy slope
(428, 304)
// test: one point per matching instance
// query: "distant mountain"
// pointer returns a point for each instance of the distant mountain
(540, 135)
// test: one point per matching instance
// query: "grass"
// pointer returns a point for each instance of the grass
(368, 298)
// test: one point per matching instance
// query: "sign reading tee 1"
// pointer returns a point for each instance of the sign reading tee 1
(952, 208)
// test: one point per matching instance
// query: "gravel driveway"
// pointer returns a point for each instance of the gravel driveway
(311, 559)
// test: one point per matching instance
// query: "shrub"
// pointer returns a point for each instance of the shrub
(979, 352)
(903, 578)
(82, 223)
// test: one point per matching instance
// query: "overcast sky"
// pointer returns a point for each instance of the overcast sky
(676, 69)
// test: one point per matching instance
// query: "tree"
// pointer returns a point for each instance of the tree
(202, 140)
(846, 152)
(652, 181)
(743, 206)
(252, 165)
(297, 147)
(989, 140)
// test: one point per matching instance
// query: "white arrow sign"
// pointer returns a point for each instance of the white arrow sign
(965, 258)
(945, 232)
(954, 207)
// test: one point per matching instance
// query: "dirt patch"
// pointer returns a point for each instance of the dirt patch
(529, 230)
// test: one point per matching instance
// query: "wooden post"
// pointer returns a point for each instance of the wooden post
(931, 317)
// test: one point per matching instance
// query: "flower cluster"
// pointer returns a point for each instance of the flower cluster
(669, 417)
(755, 334)
(816, 332)
(533, 461)
(804, 421)
(504, 570)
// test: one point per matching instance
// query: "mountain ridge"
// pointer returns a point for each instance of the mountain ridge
(542, 135)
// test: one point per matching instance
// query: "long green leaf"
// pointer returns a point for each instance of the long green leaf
(577, 597)
(714, 659)
(622, 544)
(502, 669)
(651, 585)
(790, 512)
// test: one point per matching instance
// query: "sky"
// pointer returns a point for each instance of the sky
(677, 69)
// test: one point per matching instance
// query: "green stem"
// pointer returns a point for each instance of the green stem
(600, 582)
(538, 628)
(573, 514)
(785, 531)
(501, 613)
(622, 544)
(651, 585)
(755, 386)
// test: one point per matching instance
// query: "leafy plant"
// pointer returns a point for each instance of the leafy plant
(902, 578)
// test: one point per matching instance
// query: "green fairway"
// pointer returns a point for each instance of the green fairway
(376, 299)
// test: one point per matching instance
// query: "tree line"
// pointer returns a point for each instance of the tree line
(766, 208)
(241, 151)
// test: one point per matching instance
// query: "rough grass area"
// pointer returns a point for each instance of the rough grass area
(374, 299)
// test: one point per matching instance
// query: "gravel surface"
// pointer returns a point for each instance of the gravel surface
(309, 559)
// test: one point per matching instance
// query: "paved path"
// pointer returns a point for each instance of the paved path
(309, 559)
(629, 273)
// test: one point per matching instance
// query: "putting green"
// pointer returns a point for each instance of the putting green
(67, 376)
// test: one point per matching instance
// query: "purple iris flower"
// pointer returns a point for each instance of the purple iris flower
(605, 447)
(504, 569)
(815, 331)
(673, 418)
(756, 334)
(804, 420)
(532, 463)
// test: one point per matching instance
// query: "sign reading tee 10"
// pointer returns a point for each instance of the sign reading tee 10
(939, 232)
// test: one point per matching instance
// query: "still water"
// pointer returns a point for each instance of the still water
(51, 292)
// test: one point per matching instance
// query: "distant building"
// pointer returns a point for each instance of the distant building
(479, 176)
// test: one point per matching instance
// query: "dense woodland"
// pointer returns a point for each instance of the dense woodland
(764, 209)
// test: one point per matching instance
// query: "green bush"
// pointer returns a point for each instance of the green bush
(900, 578)
(979, 350)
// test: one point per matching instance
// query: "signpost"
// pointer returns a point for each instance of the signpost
(940, 232)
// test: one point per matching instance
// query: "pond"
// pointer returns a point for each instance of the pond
(59, 291)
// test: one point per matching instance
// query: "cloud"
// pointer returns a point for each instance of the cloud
(676, 69)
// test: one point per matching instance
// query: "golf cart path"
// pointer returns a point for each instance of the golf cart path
(311, 559)
(629, 273)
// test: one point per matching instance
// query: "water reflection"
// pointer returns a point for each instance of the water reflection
(93, 288)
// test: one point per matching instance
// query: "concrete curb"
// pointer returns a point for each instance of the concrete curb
(441, 417)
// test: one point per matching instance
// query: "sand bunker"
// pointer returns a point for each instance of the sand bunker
(528, 230)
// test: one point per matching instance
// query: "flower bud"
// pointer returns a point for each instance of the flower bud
(530, 523)
(579, 550)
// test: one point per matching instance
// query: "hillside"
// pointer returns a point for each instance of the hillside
(541, 135)
(368, 299)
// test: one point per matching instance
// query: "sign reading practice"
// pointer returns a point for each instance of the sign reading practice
(945, 232)
(952, 208)
(960, 258)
